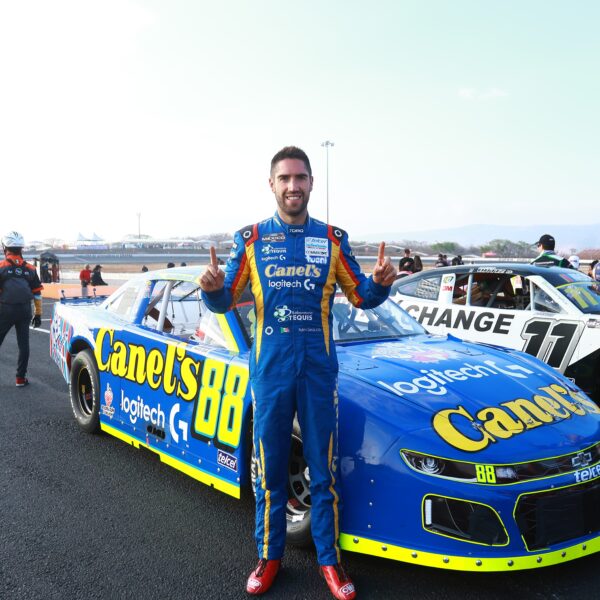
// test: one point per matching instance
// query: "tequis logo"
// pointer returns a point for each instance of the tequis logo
(283, 313)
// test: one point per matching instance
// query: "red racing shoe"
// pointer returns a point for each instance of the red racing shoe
(339, 583)
(263, 576)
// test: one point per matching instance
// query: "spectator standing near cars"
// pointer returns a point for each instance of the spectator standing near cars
(407, 262)
(19, 285)
(546, 256)
(85, 276)
(293, 363)
(418, 264)
(97, 276)
(440, 262)
(574, 260)
(594, 272)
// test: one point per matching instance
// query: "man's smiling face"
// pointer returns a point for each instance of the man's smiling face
(292, 184)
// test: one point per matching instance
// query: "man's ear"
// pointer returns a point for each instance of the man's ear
(272, 184)
(312, 180)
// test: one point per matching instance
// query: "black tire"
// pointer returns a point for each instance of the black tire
(298, 507)
(84, 391)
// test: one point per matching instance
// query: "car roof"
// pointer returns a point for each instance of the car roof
(497, 267)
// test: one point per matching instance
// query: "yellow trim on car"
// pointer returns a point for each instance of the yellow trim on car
(219, 484)
(232, 345)
(535, 560)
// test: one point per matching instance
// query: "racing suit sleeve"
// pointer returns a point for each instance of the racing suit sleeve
(237, 273)
(360, 290)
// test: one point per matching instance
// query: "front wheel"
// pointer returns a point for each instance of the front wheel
(298, 507)
(84, 390)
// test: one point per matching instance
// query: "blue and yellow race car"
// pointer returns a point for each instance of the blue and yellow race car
(452, 454)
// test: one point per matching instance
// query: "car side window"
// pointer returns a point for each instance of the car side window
(542, 302)
(182, 311)
(126, 302)
(427, 288)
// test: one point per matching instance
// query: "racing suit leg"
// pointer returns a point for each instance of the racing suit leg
(317, 415)
(22, 329)
(274, 405)
(6, 320)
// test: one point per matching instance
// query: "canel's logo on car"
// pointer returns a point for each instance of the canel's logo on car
(174, 370)
(473, 433)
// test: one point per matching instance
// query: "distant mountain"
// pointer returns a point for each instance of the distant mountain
(567, 236)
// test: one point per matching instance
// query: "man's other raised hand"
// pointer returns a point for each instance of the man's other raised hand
(213, 278)
(384, 273)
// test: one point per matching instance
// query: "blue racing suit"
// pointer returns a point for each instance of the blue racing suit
(293, 270)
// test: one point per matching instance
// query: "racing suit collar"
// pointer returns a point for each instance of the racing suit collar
(293, 229)
(15, 259)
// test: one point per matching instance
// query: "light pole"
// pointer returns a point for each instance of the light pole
(139, 215)
(327, 144)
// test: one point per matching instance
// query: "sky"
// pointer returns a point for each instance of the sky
(442, 113)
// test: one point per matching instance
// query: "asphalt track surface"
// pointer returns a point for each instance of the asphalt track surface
(87, 516)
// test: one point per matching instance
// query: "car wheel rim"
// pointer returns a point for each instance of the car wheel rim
(298, 505)
(85, 392)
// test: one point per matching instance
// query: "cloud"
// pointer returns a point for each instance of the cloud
(473, 94)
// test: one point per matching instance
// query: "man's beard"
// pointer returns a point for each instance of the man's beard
(292, 212)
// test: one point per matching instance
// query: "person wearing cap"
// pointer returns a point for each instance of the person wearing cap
(97, 276)
(85, 276)
(546, 256)
(19, 285)
(574, 260)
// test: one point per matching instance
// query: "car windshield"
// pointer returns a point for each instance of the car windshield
(387, 320)
(585, 295)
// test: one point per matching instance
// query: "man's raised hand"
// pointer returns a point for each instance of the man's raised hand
(384, 272)
(213, 278)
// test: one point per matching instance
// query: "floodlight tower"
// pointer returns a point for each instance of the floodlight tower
(327, 144)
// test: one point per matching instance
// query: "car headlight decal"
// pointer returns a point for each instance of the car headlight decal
(501, 474)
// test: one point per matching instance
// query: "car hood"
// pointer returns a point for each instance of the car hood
(475, 398)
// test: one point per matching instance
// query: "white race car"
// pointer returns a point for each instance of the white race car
(549, 312)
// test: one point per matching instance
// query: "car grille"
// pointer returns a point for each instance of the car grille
(547, 518)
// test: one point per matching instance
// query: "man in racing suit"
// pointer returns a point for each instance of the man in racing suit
(19, 285)
(547, 257)
(293, 263)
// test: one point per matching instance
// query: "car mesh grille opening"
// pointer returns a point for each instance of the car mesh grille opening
(548, 518)
(463, 520)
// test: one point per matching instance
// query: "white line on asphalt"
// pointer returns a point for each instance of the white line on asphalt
(39, 329)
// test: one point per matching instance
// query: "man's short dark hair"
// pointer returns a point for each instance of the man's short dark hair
(406, 250)
(291, 152)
